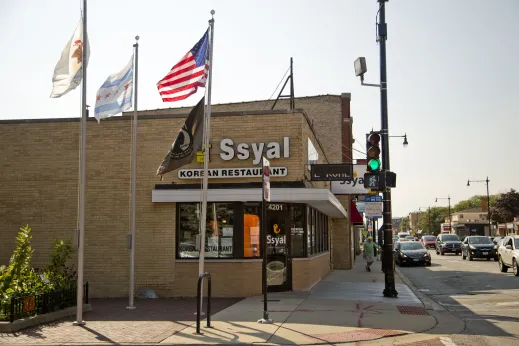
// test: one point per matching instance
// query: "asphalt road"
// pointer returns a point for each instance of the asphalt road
(477, 293)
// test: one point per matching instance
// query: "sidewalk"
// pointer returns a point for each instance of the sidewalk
(346, 306)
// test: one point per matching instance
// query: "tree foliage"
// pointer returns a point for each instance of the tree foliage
(474, 202)
(404, 224)
(506, 207)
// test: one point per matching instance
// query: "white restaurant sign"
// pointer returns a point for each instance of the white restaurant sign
(227, 173)
(354, 186)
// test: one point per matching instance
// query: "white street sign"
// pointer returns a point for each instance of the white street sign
(373, 209)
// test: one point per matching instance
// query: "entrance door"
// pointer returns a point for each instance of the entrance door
(278, 254)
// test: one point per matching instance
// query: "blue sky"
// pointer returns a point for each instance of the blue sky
(452, 71)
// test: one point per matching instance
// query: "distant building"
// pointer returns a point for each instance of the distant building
(472, 221)
(396, 221)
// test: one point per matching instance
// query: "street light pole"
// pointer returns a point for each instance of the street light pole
(488, 202)
(389, 264)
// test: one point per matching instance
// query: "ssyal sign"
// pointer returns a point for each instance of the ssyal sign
(353, 186)
(243, 150)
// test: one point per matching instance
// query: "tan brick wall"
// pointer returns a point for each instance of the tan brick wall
(228, 279)
(307, 272)
(323, 110)
(39, 187)
(341, 235)
(250, 129)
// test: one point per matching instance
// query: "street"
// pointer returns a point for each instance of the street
(474, 291)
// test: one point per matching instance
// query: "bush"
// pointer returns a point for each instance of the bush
(19, 277)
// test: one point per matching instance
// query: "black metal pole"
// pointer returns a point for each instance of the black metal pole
(488, 211)
(450, 219)
(389, 266)
(263, 221)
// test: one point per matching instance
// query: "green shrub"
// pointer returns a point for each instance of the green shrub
(19, 277)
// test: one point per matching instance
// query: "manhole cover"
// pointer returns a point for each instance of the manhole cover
(411, 310)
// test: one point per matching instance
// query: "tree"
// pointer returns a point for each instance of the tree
(437, 216)
(404, 224)
(474, 202)
(506, 207)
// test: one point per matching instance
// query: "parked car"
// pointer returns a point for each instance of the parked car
(429, 241)
(446, 243)
(477, 247)
(509, 254)
(410, 238)
(411, 252)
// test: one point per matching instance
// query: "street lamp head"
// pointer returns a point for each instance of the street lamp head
(468, 182)
(360, 66)
(406, 143)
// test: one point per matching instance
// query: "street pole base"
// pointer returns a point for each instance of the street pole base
(133, 307)
(78, 323)
(390, 293)
(265, 319)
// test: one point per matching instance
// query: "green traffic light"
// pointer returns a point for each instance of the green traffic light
(374, 164)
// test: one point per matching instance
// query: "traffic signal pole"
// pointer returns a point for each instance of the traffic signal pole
(387, 253)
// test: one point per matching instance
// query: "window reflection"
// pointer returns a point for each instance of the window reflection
(251, 231)
(218, 235)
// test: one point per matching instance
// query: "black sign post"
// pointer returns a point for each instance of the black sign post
(331, 172)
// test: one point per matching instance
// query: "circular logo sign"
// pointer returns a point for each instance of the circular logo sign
(183, 145)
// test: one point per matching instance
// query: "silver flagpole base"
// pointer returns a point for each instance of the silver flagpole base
(265, 321)
(131, 307)
(76, 323)
(201, 313)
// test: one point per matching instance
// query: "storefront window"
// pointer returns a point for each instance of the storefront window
(297, 230)
(219, 230)
(251, 231)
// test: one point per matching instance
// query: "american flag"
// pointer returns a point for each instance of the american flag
(188, 74)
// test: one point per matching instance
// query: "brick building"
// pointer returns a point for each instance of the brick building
(39, 187)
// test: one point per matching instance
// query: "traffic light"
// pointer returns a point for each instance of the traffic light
(373, 152)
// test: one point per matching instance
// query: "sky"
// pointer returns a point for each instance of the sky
(452, 71)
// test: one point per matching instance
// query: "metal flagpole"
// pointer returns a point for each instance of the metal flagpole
(205, 146)
(82, 171)
(131, 242)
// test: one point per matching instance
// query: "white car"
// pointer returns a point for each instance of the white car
(508, 253)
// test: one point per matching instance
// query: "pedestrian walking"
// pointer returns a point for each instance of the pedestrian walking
(369, 252)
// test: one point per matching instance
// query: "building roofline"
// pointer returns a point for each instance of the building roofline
(129, 115)
(145, 116)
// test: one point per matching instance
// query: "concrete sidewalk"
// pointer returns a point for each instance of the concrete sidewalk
(346, 306)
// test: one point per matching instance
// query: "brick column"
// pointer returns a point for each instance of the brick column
(341, 235)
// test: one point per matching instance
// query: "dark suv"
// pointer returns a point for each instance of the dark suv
(478, 247)
(448, 243)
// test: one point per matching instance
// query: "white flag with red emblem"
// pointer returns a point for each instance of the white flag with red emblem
(68, 71)
(115, 95)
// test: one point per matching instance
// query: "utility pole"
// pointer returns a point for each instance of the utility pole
(389, 264)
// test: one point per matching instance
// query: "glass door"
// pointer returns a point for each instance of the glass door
(278, 254)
